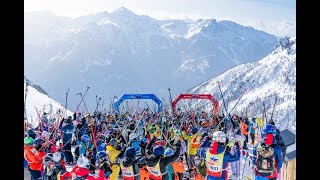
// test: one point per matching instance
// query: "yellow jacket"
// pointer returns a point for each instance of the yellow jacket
(113, 153)
(191, 150)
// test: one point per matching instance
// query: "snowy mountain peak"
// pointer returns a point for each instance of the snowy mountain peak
(37, 87)
(286, 43)
(123, 11)
(271, 78)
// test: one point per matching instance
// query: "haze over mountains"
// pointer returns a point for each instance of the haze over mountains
(121, 52)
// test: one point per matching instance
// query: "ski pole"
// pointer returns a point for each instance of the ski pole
(66, 103)
(273, 108)
(247, 155)
(224, 104)
(82, 98)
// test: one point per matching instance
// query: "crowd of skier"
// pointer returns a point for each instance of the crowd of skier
(149, 145)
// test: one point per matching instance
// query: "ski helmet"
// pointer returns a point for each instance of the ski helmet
(168, 152)
(85, 138)
(38, 141)
(204, 134)
(100, 141)
(219, 136)
(130, 152)
(28, 141)
(56, 156)
(194, 130)
(101, 155)
(141, 161)
(83, 120)
(133, 136)
(69, 119)
(269, 129)
(113, 142)
(158, 150)
(44, 134)
(83, 162)
(48, 158)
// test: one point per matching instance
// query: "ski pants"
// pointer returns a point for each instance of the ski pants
(35, 174)
(235, 167)
(67, 152)
(191, 161)
(252, 137)
(245, 142)
(115, 172)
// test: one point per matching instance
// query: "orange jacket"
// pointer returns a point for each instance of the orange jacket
(178, 167)
(244, 128)
(33, 157)
(144, 173)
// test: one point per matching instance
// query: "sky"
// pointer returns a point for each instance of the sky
(277, 17)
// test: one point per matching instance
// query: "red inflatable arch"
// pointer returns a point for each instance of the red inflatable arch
(215, 102)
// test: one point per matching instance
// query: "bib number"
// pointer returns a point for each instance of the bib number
(214, 168)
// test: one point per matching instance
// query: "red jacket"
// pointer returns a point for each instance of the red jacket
(33, 157)
(80, 172)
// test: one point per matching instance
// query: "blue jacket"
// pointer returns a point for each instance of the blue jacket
(204, 146)
(228, 157)
(277, 154)
(67, 130)
(83, 147)
(253, 126)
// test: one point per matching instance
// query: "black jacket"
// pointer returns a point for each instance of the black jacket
(127, 161)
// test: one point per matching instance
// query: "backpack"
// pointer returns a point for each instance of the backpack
(265, 160)
(202, 168)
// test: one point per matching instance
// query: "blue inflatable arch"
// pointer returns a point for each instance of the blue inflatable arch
(137, 96)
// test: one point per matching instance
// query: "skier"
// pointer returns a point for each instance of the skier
(81, 170)
(157, 163)
(34, 158)
(192, 148)
(217, 158)
(104, 164)
(253, 127)
(129, 166)
(114, 153)
(67, 130)
(244, 131)
(267, 155)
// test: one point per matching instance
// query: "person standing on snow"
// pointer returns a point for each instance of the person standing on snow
(267, 155)
(244, 131)
(129, 165)
(253, 127)
(114, 155)
(34, 158)
(104, 165)
(157, 162)
(81, 170)
(217, 158)
(192, 145)
(67, 130)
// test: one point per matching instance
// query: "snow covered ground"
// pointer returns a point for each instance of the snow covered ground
(37, 99)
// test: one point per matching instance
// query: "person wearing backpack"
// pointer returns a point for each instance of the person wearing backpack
(267, 155)
(280, 141)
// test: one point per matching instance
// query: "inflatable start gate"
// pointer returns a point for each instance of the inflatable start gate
(137, 96)
(209, 97)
